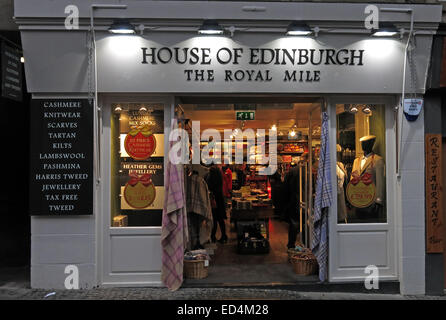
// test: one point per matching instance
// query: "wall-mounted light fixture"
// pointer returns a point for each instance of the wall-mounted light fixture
(210, 27)
(122, 27)
(385, 30)
(297, 28)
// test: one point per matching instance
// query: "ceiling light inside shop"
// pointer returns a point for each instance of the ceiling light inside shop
(122, 27)
(367, 110)
(118, 109)
(298, 29)
(385, 30)
(353, 109)
(22, 59)
(274, 127)
(210, 27)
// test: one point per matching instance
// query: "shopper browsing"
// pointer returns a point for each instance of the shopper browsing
(291, 197)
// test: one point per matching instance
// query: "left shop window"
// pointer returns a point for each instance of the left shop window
(137, 164)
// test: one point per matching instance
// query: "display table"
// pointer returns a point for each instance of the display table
(258, 213)
(251, 221)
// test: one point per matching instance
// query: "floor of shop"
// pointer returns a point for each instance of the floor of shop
(228, 268)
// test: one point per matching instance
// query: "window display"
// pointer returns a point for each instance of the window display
(361, 181)
(137, 165)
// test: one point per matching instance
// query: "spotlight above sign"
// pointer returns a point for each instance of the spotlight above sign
(122, 27)
(210, 27)
(298, 29)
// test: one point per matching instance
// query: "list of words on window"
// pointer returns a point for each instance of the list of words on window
(61, 164)
(434, 192)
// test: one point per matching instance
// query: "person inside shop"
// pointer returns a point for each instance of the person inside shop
(214, 180)
(291, 203)
(227, 182)
(275, 180)
(241, 175)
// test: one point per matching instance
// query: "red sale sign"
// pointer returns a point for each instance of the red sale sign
(140, 143)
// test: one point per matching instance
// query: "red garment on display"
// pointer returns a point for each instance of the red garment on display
(227, 183)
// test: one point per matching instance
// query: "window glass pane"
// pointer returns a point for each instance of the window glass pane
(137, 165)
(360, 163)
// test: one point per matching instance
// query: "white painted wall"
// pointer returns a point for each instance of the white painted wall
(60, 241)
(411, 223)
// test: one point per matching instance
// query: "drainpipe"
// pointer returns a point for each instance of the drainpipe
(97, 110)
(403, 91)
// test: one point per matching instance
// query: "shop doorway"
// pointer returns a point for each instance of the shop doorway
(257, 207)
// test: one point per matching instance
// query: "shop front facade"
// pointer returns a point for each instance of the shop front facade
(356, 78)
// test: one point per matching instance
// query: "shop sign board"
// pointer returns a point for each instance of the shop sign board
(11, 73)
(253, 63)
(61, 157)
(434, 195)
(184, 62)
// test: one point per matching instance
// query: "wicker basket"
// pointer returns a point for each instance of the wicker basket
(195, 269)
(305, 264)
(293, 253)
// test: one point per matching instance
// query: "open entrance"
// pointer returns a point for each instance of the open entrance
(250, 235)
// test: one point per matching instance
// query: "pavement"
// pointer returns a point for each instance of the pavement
(8, 293)
(14, 285)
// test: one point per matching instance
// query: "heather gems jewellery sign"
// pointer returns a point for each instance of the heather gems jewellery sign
(61, 163)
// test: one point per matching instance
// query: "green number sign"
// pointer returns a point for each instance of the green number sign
(245, 115)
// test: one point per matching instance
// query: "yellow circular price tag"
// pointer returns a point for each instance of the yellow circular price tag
(361, 195)
(139, 196)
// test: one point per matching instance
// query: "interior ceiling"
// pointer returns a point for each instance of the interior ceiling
(245, 99)
(220, 116)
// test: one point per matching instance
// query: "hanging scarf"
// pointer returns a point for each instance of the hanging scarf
(322, 201)
(174, 236)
